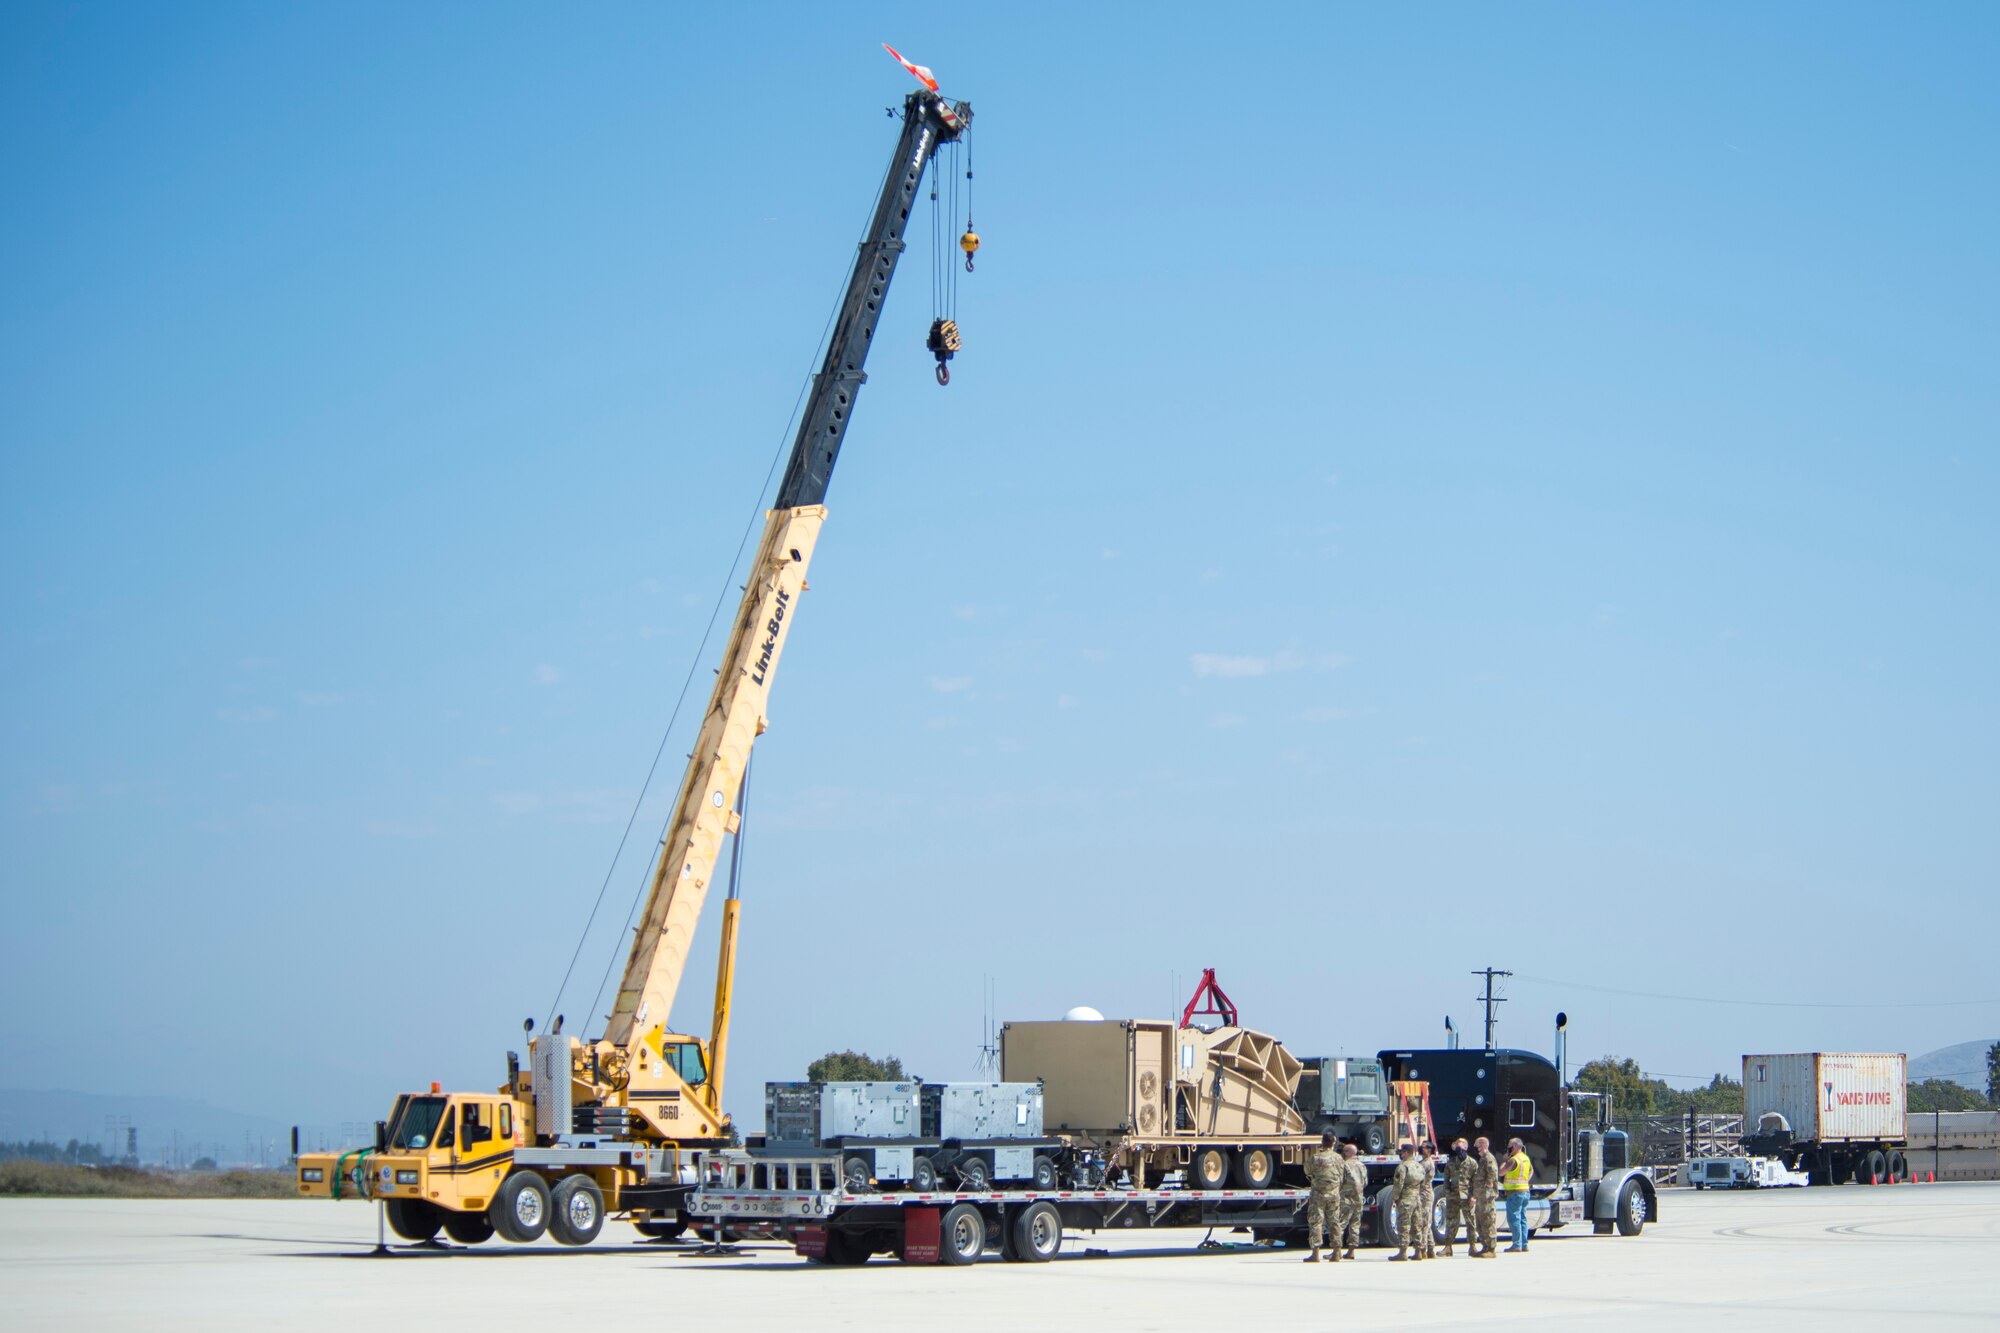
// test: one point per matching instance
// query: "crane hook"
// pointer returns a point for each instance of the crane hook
(943, 373)
(969, 243)
(943, 342)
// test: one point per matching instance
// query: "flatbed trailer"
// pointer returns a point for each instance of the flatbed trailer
(804, 1198)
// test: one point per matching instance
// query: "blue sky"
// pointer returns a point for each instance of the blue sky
(1425, 487)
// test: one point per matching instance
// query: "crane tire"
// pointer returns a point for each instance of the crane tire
(413, 1219)
(576, 1211)
(468, 1228)
(520, 1208)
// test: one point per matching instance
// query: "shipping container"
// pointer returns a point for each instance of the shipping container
(1828, 1097)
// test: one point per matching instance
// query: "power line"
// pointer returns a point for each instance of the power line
(1757, 1004)
(1490, 999)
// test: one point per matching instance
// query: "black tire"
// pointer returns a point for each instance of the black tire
(468, 1228)
(923, 1175)
(1045, 1176)
(661, 1230)
(1633, 1208)
(976, 1174)
(1374, 1140)
(1208, 1169)
(414, 1219)
(1899, 1167)
(1870, 1168)
(1439, 1204)
(576, 1211)
(520, 1208)
(844, 1250)
(854, 1175)
(1038, 1232)
(961, 1235)
(1385, 1216)
(1255, 1168)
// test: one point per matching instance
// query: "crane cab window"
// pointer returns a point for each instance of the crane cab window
(685, 1058)
(418, 1122)
(1521, 1113)
(507, 1121)
(475, 1124)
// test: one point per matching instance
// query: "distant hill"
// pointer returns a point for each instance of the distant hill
(1964, 1063)
(171, 1130)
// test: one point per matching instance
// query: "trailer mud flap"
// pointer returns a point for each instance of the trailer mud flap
(809, 1242)
(921, 1231)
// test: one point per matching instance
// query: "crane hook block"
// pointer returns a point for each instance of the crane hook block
(944, 343)
(970, 244)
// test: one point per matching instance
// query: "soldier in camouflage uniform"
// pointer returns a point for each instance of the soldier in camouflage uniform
(1458, 1171)
(1485, 1194)
(1326, 1171)
(1351, 1195)
(1427, 1203)
(1403, 1190)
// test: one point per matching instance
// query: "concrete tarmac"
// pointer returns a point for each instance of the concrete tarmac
(1908, 1257)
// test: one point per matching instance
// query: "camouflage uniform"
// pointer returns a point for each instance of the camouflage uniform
(1325, 1170)
(1458, 1172)
(1426, 1207)
(1409, 1175)
(1351, 1194)
(1485, 1194)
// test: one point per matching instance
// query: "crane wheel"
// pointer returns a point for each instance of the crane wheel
(468, 1228)
(576, 1212)
(413, 1219)
(520, 1208)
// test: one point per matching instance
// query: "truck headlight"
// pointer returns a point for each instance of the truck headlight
(406, 1177)
(312, 1175)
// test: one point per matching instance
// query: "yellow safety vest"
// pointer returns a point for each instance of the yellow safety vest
(1519, 1171)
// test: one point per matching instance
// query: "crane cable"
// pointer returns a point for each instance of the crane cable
(701, 649)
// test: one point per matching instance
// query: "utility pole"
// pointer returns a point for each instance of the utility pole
(1490, 999)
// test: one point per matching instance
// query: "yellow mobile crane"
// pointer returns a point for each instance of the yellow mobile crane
(601, 1126)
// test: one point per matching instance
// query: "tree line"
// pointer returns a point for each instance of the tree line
(1633, 1093)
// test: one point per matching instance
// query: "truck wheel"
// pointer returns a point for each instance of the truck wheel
(576, 1212)
(1208, 1169)
(1385, 1216)
(978, 1177)
(468, 1228)
(854, 1174)
(844, 1250)
(414, 1219)
(1374, 1140)
(1038, 1233)
(1632, 1209)
(1044, 1174)
(923, 1175)
(1899, 1167)
(520, 1208)
(961, 1236)
(1256, 1168)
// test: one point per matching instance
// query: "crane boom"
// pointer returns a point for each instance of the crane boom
(736, 710)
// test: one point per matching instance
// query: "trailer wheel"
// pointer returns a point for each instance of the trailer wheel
(844, 1250)
(961, 1236)
(576, 1212)
(978, 1177)
(468, 1228)
(923, 1174)
(520, 1208)
(1385, 1216)
(1870, 1167)
(1256, 1168)
(1374, 1140)
(1633, 1209)
(854, 1174)
(1038, 1233)
(1208, 1169)
(1044, 1173)
(1899, 1167)
(414, 1219)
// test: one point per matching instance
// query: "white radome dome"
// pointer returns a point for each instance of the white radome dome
(1083, 1013)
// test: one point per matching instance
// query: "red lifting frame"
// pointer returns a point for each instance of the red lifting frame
(1219, 1005)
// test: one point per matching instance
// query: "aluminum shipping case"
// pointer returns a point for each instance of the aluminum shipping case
(819, 1113)
(983, 1110)
(1829, 1097)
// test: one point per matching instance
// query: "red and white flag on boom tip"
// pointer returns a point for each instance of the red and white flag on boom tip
(921, 73)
